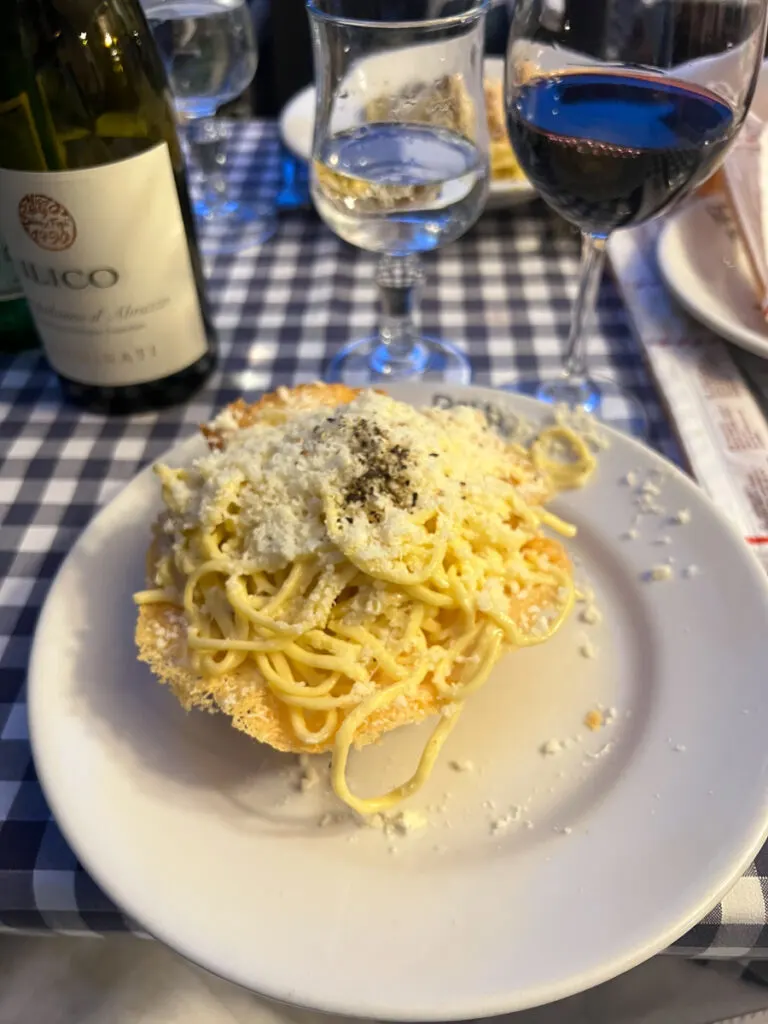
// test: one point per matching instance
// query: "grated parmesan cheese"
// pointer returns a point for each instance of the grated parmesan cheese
(602, 752)
(308, 775)
(363, 472)
(502, 823)
(400, 824)
(591, 615)
(405, 822)
(648, 506)
(587, 649)
(551, 747)
(226, 422)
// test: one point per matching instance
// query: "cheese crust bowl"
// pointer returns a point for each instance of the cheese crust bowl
(341, 564)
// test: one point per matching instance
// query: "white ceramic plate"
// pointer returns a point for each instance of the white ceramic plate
(298, 117)
(637, 830)
(705, 267)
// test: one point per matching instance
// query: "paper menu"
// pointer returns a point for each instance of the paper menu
(718, 419)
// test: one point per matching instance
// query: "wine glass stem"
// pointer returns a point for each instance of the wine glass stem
(592, 264)
(398, 278)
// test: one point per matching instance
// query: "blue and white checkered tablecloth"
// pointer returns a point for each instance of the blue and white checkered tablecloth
(503, 293)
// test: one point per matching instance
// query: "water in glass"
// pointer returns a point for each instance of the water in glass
(400, 188)
(399, 159)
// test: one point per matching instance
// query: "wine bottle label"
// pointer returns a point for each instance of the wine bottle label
(10, 287)
(103, 259)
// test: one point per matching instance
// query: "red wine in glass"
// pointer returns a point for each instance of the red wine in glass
(608, 149)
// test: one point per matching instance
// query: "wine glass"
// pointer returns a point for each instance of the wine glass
(616, 111)
(399, 158)
(210, 55)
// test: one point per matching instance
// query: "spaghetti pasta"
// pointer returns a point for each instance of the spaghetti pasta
(326, 574)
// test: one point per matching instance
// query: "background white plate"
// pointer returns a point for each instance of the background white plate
(705, 267)
(298, 118)
(199, 834)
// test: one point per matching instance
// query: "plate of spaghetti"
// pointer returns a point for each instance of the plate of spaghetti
(353, 672)
(509, 185)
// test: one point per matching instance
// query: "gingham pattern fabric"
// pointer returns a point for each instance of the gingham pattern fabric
(503, 292)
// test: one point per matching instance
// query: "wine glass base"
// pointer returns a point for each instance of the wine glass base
(600, 396)
(368, 361)
(233, 226)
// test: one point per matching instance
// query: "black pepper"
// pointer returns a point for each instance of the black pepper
(386, 473)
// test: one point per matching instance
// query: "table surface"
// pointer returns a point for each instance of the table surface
(503, 292)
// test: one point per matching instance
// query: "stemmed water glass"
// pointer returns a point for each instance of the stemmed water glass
(210, 54)
(399, 158)
(616, 111)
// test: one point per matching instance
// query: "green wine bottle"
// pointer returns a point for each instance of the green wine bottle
(94, 205)
(17, 330)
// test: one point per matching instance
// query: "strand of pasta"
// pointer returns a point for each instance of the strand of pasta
(346, 734)
(563, 474)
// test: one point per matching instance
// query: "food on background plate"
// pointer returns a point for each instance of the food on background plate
(340, 564)
(441, 104)
(447, 104)
(444, 103)
(504, 165)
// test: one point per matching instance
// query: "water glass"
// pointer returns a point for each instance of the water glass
(399, 158)
(210, 54)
